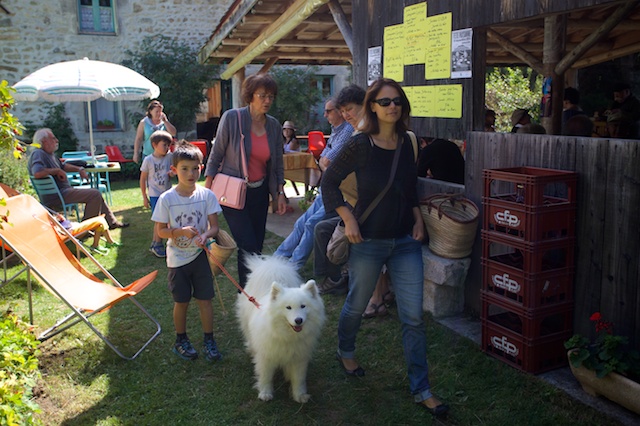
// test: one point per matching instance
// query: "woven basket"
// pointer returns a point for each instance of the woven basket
(452, 221)
(221, 248)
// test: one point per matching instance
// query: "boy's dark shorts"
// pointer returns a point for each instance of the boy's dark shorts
(193, 279)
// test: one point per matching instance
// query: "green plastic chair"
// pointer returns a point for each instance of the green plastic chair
(48, 186)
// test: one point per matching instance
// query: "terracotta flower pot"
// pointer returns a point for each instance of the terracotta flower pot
(613, 386)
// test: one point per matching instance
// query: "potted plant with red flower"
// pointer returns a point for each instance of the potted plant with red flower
(606, 366)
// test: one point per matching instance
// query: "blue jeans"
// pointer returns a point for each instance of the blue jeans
(403, 257)
(299, 244)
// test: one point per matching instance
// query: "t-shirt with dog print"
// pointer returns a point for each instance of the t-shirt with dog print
(179, 211)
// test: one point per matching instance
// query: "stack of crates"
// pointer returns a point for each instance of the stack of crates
(528, 240)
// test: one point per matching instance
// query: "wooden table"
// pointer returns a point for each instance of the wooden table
(301, 167)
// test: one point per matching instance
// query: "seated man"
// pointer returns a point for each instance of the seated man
(441, 159)
(299, 244)
(43, 162)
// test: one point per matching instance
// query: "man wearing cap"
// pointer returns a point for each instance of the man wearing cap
(520, 117)
(291, 144)
(625, 110)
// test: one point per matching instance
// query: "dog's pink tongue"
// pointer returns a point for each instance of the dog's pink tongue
(297, 328)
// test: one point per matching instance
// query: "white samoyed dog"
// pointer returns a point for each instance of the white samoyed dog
(284, 331)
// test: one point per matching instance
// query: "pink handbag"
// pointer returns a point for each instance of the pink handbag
(230, 190)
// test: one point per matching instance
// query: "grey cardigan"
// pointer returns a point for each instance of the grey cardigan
(227, 147)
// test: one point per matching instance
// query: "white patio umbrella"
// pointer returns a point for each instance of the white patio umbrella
(85, 80)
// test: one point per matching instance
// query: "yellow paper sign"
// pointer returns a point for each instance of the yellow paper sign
(393, 65)
(415, 33)
(442, 101)
(438, 56)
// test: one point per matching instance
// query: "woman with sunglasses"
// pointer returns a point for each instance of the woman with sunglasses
(263, 146)
(390, 235)
(155, 119)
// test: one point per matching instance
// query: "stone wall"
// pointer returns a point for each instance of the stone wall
(41, 32)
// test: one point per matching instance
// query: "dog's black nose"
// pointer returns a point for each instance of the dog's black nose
(298, 321)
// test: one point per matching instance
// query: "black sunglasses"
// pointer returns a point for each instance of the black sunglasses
(385, 102)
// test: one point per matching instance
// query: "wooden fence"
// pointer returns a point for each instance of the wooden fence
(608, 223)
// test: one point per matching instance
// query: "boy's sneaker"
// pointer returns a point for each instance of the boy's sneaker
(185, 350)
(211, 350)
(158, 250)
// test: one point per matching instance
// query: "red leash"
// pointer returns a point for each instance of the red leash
(223, 269)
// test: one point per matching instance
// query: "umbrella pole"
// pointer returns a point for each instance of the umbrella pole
(91, 148)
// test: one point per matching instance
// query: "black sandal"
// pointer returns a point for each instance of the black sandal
(358, 372)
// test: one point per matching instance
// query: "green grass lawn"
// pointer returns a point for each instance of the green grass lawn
(86, 383)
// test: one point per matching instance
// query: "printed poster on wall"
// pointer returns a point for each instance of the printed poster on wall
(461, 42)
(374, 61)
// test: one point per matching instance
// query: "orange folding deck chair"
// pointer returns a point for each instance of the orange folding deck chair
(36, 238)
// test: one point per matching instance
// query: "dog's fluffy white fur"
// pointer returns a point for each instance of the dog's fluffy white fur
(284, 331)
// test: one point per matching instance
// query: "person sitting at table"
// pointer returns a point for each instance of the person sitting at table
(43, 163)
(532, 129)
(297, 247)
(489, 120)
(291, 144)
(625, 111)
(441, 159)
(570, 106)
(520, 117)
(579, 125)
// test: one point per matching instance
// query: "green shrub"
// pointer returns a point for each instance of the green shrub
(511, 88)
(60, 125)
(14, 173)
(18, 372)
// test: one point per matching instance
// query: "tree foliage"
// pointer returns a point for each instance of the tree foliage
(10, 127)
(511, 88)
(173, 66)
(298, 94)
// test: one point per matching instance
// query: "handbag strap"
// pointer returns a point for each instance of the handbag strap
(243, 159)
(394, 167)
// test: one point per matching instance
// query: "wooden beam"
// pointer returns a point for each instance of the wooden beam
(267, 19)
(518, 52)
(242, 8)
(319, 44)
(607, 56)
(342, 22)
(537, 47)
(268, 64)
(609, 24)
(309, 56)
(290, 19)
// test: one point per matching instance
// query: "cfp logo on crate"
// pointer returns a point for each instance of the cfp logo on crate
(506, 218)
(503, 281)
(501, 343)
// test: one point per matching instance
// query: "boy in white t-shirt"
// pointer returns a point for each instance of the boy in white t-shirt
(187, 215)
(155, 178)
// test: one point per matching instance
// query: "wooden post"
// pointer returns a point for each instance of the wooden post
(342, 22)
(554, 40)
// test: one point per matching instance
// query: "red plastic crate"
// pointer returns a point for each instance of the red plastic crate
(531, 224)
(525, 257)
(527, 323)
(533, 356)
(529, 291)
(531, 186)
